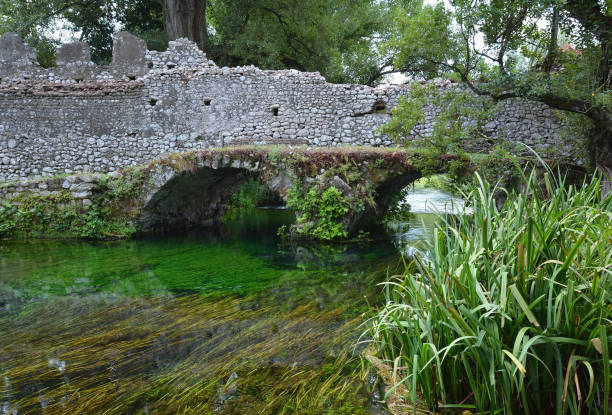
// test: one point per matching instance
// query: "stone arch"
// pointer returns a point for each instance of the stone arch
(189, 199)
(193, 190)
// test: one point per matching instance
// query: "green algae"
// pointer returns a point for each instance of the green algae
(232, 322)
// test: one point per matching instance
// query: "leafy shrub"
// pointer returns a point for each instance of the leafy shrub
(510, 313)
(499, 167)
(124, 186)
(60, 215)
(94, 223)
(7, 217)
(460, 117)
(320, 211)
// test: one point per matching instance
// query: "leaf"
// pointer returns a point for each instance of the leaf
(523, 304)
(597, 344)
(518, 364)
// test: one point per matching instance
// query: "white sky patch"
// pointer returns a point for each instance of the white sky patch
(395, 79)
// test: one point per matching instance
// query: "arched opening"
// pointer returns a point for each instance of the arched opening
(201, 199)
(192, 199)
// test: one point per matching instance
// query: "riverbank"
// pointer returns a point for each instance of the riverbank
(522, 292)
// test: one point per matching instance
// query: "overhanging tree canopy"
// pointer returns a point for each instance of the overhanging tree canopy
(505, 49)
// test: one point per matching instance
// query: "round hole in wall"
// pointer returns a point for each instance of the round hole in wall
(153, 102)
(207, 102)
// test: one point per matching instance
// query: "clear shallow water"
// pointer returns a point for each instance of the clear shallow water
(425, 203)
(228, 321)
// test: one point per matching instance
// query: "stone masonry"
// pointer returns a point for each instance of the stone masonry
(81, 117)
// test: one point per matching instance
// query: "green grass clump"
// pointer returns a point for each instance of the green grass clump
(510, 313)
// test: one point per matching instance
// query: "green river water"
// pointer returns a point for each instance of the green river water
(230, 321)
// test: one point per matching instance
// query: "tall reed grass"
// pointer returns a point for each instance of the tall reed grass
(511, 311)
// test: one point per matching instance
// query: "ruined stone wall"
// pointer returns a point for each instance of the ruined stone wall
(81, 117)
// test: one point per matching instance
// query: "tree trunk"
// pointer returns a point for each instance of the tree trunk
(186, 18)
(601, 151)
(553, 43)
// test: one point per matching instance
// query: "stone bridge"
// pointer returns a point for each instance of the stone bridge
(193, 189)
(80, 117)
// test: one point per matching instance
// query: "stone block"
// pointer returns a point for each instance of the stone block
(129, 55)
(76, 53)
(14, 49)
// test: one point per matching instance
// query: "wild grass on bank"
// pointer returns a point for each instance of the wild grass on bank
(511, 313)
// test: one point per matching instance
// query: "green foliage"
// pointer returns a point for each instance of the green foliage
(406, 115)
(320, 211)
(94, 223)
(510, 312)
(7, 217)
(144, 18)
(460, 118)
(93, 22)
(501, 50)
(274, 155)
(424, 39)
(337, 38)
(123, 186)
(498, 167)
(37, 20)
(30, 214)
(340, 39)
(60, 215)
(399, 209)
(251, 194)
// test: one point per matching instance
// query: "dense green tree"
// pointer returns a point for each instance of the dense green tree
(145, 19)
(505, 49)
(338, 38)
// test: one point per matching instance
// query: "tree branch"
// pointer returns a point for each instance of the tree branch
(290, 34)
(33, 21)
